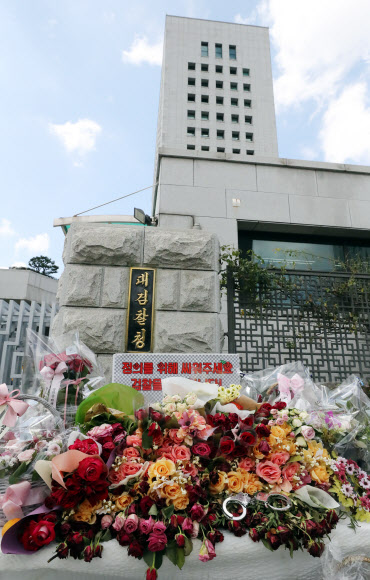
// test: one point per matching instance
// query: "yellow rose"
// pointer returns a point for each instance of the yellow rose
(86, 512)
(123, 501)
(172, 491)
(319, 474)
(162, 468)
(219, 486)
(181, 502)
(257, 453)
(251, 482)
(235, 481)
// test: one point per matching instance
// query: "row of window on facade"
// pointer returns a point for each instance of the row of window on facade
(219, 84)
(204, 115)
(219, 69)
(234, 102)
(204, 50)
(220, 134)
(191, 147)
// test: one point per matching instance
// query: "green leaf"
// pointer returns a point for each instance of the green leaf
(148, 558)
(168, 511)
(171, 552)
(147, 440)
(106, 536)
(188, 548)
(153, 510)
(266, 544)
(180, 557)
(21, 469)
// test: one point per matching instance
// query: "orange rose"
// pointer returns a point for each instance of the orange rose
(172, 491)
(257, 453)
(123, 501)
(181, 502)
(251, 483)
(219, 486)
(86, 512)
(319, 474)
(162, 468)
(235, 481)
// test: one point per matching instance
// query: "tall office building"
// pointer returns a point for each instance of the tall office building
(216, 89)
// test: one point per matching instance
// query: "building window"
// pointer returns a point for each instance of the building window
(219, 68)
(248, 119)
(191, 114)
(204, 82)
(247, 103)
(191, 131)
(191, 82)
(204, 98)
(246, 72)
(204, 48)
(250, 152)
(219, 100)
(234, 102)
(205, 148)
(220, 149)
(204, 67)
(233, 70)
(249, 136)
(191, 65)
(220, 117)
(204, 115)
(236, 151)
(234, 86)
(191, 98)
(219, 85)
(191, 147)
(232, 52)
(218, 50)
(204, 132)
(220, 134)
(235, 135)
(246, 87)
(235, 118)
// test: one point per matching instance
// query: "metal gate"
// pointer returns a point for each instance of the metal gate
(310, 319)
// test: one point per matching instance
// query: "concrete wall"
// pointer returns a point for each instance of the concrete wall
(93, 289)
(27, 285)
(320, 198)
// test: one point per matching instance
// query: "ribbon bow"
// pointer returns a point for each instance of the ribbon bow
(53, 379)
(288, 388)
(20, 495)
(15, 407)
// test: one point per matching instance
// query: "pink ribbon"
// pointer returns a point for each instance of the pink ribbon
(288, 388)
(53, 380)
(15, 407)
(20, 495)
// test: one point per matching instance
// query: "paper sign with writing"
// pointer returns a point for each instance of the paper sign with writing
(140, 310)
(144, 372)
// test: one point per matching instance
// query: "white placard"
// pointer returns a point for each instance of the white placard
(145, 371)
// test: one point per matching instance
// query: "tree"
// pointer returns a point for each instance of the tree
(43, 265)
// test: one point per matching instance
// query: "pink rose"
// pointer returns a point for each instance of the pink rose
(129, 468)
(190, 469)
(131, 452)
(280, 458)
(195, 532)
(104, 430)
(118, 523)
(291, 469)
(146, 526)
(133, 440)
(159, 527)
(131, 524)
(157, 541)
(180, 453)
(26, 455)
(187, 525)
(106, 521)
(173, 433)
(247, 463)
(115, 476)
(308, 432)
(207, 551)
(268, 471)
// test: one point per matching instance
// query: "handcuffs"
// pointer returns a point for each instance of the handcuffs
(244, 500)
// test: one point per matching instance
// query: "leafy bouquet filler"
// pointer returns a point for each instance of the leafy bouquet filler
(259, 460)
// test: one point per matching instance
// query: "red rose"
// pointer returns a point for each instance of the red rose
(197, 512)
(180, 540)
(316, 548)
(157, 541)
(264, 410)
(87, 446)
(90, 468)
(280, 405)
(227, 445)
(263, 430)
(264, 447)
(274, 540)
(202, 449)
(38, 534)
(154, 430)
(254, 535)
(247, 438)
(246, 423)
(145, 504)
(151, 574)
(135, 549)
(88, 554)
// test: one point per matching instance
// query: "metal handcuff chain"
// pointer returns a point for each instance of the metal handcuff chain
(244, 500)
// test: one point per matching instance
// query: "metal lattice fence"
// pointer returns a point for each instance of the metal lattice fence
(285, 324)
(15, 318)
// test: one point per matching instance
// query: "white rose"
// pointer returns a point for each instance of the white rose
(303, 415)
(296, 422)
(167, 399)
(181, 407)
(301, 442)
(176, 399)
(170, 408)
(191, 398)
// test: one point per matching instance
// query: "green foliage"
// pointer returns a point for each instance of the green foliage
(43, 265)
